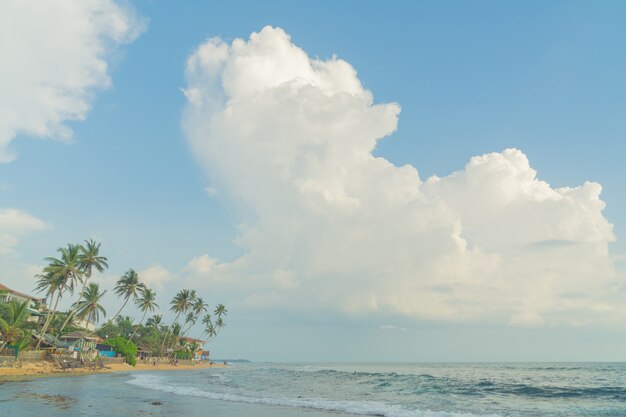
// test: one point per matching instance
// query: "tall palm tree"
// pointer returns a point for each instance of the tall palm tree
(220, 310)
(146, 302)
(128, 286)
(12, 316)
(219, 323)
(208, 324)
(89, 307)
(179, 305)
(89, 259)
(197, 308)
(59, 276)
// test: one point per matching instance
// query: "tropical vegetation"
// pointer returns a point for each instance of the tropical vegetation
(69, 276)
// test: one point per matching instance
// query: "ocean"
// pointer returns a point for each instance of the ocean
(331, 390)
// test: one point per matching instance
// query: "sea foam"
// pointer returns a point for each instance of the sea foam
(365, 408)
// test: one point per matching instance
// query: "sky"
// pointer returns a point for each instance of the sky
(397, 181)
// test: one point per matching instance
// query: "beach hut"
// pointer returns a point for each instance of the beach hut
(105, 351)
(81, 341)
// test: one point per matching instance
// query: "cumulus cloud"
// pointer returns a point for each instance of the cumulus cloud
(55, 55)
(14, 225)
(155, 276)
(329, 226)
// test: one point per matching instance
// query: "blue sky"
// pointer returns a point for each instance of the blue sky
(470, 78)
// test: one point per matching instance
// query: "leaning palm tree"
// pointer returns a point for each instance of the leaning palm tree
(197, 308)
(146, 302)
(12, 316)
(180, 304)
(128, 286)
(220, 310)
(207, 320)
(89, 308)
(89, 259)
(59, 276)
(219, 323)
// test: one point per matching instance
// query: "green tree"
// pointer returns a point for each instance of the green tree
(89, 259)
(146, 302)
(181, 302)
(128, 286)
(13, 316)
(89, 307)
(126, 348)
(59, 276)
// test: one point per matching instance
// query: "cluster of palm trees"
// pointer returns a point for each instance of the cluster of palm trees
(72, 270)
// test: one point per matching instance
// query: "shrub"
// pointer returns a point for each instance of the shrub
(125, 348)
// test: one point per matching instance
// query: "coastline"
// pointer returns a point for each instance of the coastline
(32, 370)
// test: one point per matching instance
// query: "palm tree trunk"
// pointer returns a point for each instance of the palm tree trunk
(73, 312)
(120, 310)
(49, 319)
(137, 328)
(168, 332)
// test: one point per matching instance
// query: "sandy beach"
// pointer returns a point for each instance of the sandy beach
(46, 369)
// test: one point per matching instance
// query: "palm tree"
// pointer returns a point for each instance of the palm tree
(128, 286)
(208, 324)
(197, 308)
(179, 305)
(60, 275)
(190, 320)
(219, 323)
(220, 310)
(146, 302)
(88, 307)
(155, 321)
(12, 315)
(90, 259)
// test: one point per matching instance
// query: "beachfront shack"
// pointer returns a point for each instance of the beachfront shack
(105, 351)
(81, 341)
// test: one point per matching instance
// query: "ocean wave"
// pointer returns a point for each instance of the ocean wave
(365, 408)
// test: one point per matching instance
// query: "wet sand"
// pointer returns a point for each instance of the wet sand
(30, 370)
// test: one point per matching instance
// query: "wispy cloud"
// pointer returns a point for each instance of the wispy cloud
(55, 55)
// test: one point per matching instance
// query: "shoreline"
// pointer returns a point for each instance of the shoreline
(44, 369)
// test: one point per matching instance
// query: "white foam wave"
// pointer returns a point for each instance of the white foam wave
(365, 408)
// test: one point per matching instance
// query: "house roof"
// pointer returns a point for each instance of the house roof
(80, 335)
(192, 340)
(21, 294)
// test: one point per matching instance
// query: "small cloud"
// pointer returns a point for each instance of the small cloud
(211, 191)
(155, 276)
(391, 327)
(201, 264)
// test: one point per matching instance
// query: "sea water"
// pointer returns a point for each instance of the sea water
(316, 390)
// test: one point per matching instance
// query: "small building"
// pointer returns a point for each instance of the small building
(105, 351)
(144, 353)
(204, 355)
(36, 305)
(84, 342)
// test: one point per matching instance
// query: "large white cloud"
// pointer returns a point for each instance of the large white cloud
(327, 225)
(54, 55)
